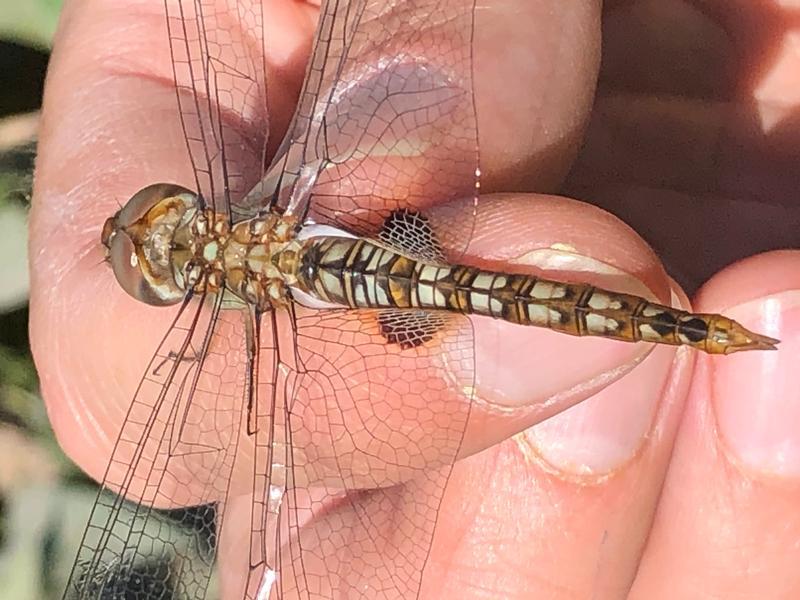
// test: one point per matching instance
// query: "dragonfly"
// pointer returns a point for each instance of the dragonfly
(325, 312)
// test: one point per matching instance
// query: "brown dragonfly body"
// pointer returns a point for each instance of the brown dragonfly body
(262, 259)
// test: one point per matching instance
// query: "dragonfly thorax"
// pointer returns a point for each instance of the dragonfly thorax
(259, 260)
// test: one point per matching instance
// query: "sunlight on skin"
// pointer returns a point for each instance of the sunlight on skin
(109, 130)
(778, 94)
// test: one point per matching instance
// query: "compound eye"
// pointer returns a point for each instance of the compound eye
(145, 199)
(125, 264)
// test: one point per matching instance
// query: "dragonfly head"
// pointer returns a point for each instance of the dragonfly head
(143, 243)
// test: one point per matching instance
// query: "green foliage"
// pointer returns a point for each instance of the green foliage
(29, 22)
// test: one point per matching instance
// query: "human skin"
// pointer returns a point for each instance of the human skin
(677, 480)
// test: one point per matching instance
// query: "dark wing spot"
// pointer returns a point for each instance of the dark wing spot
(411, 233)
(407, 328)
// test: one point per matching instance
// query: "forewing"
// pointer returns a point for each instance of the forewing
(218, 59)
(176, 448)
(386, 117)
(375, 429)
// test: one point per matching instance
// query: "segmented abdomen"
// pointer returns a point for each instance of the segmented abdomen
(362, 274)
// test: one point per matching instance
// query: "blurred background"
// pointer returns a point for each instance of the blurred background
(37, 483)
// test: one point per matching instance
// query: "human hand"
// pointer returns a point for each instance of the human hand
(561, 511)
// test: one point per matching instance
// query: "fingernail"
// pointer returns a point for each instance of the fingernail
(565, 259)
(532, 366)
(606, 431)
(756, 395)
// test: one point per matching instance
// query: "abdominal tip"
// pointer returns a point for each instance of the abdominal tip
(744, 339)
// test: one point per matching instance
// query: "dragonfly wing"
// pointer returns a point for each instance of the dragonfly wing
(176, 449)
(375, 430)
(218, 61)
(386, 117)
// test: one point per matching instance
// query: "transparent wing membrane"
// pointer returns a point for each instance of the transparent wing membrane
(176, 449)
(350, 464)
(218, 57)
(333, 432)
(375, 428)
(386, 119)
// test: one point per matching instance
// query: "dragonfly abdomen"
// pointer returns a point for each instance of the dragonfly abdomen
(584, 310)
(360, 273)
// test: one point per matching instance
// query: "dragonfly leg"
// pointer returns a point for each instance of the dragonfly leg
(252, 320)
(171, 357)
